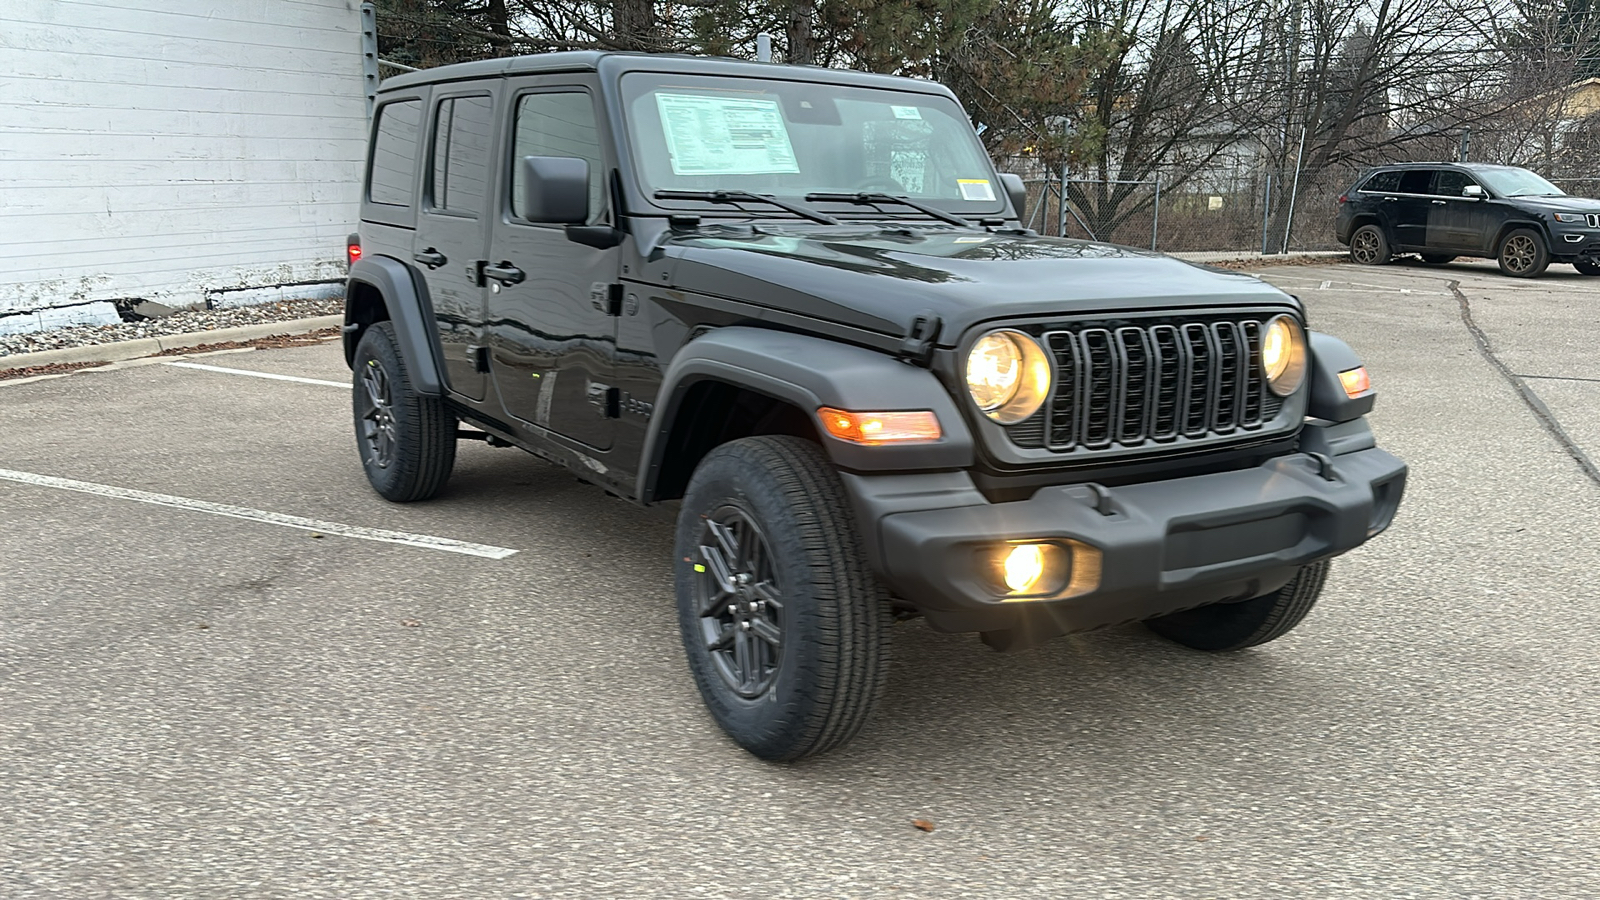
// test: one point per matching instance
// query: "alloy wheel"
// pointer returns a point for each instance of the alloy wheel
(377, 414)
(740, 607)
(1364, 248)
(1519, 253)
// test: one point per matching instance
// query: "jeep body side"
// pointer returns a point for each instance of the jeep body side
(799, 303)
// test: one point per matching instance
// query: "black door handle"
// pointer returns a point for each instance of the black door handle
(430, 257)
(505, 273)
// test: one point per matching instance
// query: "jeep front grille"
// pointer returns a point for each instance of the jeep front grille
(1152, 385)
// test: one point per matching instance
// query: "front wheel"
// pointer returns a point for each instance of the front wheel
(1523, 254)
(1587, 268)
(1369, 247)
(1235, 626)
(407, 441)
(784, 625)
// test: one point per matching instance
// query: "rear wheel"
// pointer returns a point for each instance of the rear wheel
(1368, 246)
(407, 441)
(1235, 626)
(1437, 259)
(1587, 268)
(1523, 254)
(784, 625)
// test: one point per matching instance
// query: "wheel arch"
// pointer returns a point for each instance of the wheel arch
(381, 289)
(1513, 225)
(742, 381)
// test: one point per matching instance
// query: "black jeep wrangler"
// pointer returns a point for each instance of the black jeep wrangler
(1444, 210)
(799, 302)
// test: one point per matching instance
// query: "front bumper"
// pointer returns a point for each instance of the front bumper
(1164, 546)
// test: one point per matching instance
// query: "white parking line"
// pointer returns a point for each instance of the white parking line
(425, 541)
(273, 376)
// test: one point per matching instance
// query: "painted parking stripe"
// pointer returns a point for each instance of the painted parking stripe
(272, 375)
(425, 541)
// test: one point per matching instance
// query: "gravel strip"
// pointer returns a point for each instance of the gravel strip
(178, 323)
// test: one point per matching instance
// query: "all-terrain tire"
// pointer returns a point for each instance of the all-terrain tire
(1234, 626)
(407, 441)
(1523, 254)
(1438, 259)
(805, 580)
(1586, 268)
(1369, 246)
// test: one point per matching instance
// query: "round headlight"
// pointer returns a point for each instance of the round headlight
(1283, 355)
(1008, 376)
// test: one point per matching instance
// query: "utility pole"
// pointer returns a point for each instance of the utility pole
(1466, 141)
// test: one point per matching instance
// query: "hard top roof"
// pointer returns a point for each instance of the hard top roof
(1435, 165)
(614, 63)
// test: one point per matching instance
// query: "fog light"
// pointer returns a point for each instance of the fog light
(1024, 568)
(1037, 570)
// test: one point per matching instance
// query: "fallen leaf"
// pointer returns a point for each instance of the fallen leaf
(411, 623)
(315, 534)
(922, 824)
(1201, 837)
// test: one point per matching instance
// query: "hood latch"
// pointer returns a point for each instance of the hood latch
(917, 346)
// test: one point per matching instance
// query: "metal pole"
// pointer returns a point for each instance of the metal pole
(1155, 220)
(1295, 190)
(1266, 217)
(369, 53)
(1061, 210)
(763, 47)
(1466, 141)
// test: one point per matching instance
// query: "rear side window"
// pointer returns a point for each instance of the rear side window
(394, 153)
(461, 154)
(1383, 182)
(1416, 181)
(559, 124)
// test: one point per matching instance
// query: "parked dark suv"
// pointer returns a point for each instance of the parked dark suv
(798, 304)
(1444, 210)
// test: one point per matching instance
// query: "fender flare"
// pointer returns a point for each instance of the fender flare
(1329, 402)
(406, 302)
(809, 373)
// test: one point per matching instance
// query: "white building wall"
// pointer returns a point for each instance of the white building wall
(182, 151)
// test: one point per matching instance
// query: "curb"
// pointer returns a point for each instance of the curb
(121, 350)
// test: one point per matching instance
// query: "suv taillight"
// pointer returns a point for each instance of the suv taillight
(1343, 199)
(352, 249)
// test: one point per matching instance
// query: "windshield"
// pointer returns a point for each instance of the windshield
(1509, 182)
(793, 138)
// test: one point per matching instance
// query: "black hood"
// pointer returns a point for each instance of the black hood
(880, 277)
(1561, 203)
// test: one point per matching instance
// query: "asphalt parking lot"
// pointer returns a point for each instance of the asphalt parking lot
(195, 704)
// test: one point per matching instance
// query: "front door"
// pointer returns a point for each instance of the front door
(552, 336)
(1457, 222)
(450, 235)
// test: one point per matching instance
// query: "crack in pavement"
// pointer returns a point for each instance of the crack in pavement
(1531, 399)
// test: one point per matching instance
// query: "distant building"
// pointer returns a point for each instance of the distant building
(184, 153)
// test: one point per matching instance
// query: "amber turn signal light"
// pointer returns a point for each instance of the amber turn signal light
(1356, 381)
(905, 427)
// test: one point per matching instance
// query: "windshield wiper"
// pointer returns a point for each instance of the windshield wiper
(748, 197)
(871, 198)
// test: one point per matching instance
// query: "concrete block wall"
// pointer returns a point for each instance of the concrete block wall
(176, 151)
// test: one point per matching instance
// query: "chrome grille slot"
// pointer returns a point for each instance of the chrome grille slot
(1130, 384)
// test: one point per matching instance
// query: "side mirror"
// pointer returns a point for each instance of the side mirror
(1018, 192)
(555, 189)
(1472, 192)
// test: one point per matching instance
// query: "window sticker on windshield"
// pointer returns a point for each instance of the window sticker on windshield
(725, 135)
(976, 189)
(906, 112)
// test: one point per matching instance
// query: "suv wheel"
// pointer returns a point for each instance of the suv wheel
(1437, 259)
(1235, 626)
(1368, 246)
(407, 441)
(784, 624)
(1587, 268)
(1523, 254)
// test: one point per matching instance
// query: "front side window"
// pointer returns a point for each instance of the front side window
(460, 171)
(394, 153)
(1450, 183)
(793, 138)
(559, 124)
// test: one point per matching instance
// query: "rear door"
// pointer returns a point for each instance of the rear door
(550, 325)
(1409, 208)
(451, 229)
